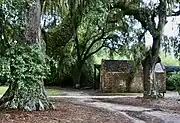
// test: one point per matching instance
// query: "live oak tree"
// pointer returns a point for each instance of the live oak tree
(89, 38)
(27, 67)
(26, 58)
(146, 15)
(70, 29)
(57, 37)
(93, 34)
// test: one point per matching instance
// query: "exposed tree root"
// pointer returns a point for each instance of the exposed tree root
(27, 98)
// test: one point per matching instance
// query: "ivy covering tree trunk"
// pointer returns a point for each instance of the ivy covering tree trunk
(28, 68)
(25, 97)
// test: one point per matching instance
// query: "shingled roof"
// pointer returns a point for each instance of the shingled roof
(125, 66)
(118, 66)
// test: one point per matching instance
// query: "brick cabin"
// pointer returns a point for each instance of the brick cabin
(116, 76)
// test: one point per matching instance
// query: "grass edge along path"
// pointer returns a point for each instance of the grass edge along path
(49, 91)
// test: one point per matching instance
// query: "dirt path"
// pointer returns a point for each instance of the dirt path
(74, 106)
(138, 114)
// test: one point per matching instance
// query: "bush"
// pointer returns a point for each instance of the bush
(61, 65)
(61, 68)
(175, 79)
(169, 83)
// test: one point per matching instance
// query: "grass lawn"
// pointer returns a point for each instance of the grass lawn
(3, 89)
(53, 92)
(49, 91)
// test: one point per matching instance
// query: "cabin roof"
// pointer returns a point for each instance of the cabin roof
(118, 65)
(126, 66)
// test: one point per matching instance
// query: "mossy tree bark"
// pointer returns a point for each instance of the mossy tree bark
(27, 95)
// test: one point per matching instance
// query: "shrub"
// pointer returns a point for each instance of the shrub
(169, 82)
(175, 79)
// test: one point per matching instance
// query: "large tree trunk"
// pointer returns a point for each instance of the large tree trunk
(33, 17)
(151, 88)
(25, 95)
(147, 78)
(77, 71)
(25, 98)
(147, 19)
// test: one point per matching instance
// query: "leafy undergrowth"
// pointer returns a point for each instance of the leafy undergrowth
(64, 113)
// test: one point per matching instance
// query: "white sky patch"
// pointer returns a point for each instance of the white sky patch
(148, 39)
(150, 1)
(170, 30)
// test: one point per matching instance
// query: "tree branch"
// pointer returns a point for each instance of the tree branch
(177, 13)
(93, 42)
(143, 15)
(90, 54)
(87, 39)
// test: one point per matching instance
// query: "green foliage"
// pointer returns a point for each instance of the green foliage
(171, 45)
(25, 65)
(61, 67)
(169, 82)
(169, 60)
(88, 72)
(175, 80)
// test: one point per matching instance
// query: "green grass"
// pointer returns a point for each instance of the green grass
(49, 91)
(53, 92)
(3, 89)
